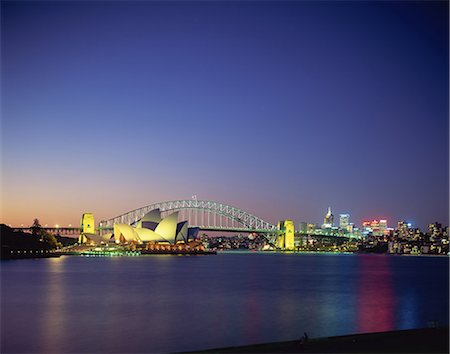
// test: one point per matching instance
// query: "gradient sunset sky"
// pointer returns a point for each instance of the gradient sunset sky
(280, 108)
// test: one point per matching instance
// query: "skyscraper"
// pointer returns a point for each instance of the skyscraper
(403, 230)
(366, 228)
(328, 220)
(383, 227)
(435, 230)
(343, 221)
(350, 227)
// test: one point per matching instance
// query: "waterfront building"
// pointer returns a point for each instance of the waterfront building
(166, 230)
(150, 220)
(328, 220)
(344, 221)
(151, 228)
(435, 230)
(403, 230)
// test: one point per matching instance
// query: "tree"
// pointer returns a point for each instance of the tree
(36, 228)
(50, 239)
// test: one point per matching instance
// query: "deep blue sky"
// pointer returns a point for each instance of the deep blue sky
(280, 108)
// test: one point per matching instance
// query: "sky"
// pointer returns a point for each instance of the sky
(279, 108)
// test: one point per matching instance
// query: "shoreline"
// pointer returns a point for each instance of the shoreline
(422, 340)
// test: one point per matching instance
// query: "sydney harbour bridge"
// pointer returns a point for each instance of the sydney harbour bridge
(203, 214)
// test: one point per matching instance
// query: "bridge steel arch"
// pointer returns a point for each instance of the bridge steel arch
(248, 221)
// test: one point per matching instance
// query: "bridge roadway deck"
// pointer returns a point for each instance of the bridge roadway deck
(77, 231)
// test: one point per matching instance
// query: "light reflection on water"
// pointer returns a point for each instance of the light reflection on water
(166, 304)
(54, 310)
(375, 295)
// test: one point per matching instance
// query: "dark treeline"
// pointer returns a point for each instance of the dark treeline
(16, 244)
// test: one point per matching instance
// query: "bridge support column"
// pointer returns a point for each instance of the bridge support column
(87, 223)
(285, 239)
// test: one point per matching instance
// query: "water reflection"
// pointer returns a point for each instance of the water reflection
(252, 318)
(53, 313)
(169, 304)
(337, 294)
(408, 312)
(375, 295)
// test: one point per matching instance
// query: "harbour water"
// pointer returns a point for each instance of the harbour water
(164, 303)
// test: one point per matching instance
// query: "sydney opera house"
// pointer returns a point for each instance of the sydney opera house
(151, 228)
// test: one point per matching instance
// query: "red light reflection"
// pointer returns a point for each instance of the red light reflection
(375, 297)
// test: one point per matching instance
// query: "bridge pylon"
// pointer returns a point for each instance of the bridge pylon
(285, 238)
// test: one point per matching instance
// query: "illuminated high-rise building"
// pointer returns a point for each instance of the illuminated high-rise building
(328, 220)
(436, 231)
(344, 221)
(350, 227)
(403, 230)
(383, 227)
(375, 227)
(366, 229)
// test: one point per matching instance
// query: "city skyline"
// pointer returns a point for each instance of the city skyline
(342, 223)
(279, 108)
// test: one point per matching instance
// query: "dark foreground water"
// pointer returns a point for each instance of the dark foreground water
(175, 303)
